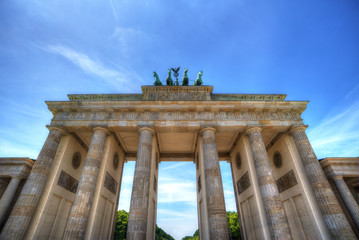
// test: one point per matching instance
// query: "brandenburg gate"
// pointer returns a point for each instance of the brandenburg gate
(280, 188)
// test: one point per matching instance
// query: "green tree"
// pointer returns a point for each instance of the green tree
(121, 228)
(162, 235)
(233, 226)
(121, 225)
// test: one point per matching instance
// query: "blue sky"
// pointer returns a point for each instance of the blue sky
(305, 49)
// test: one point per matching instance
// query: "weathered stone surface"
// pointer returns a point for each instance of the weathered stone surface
(278, 225)
(8, 196)
(243, 183)
(167, 115)
(76, 224)
(328, 204)
(287, 181)
(348, 198)
(217, 219)
(24, 208)
(67, 182)
(177, 93)
(137, 221)
(110, 183)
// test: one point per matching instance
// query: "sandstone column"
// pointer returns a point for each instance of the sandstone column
(333, 215)
(137, 220)
(8, 196)
(24, 208)
(217, 219)
(276, 218)
(76, 224)
(348, 198)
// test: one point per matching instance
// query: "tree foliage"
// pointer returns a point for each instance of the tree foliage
(121, 228)
(233, 226)
(162, 235)
(121, 225)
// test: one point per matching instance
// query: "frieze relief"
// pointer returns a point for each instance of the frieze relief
(243, 183)
(110, 183)
(67, 182)
(153, 116)
(287, 181)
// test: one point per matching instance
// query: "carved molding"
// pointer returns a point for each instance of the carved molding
(67, 182)
(110, 183)
(243, 183)
(153, 116)
(287, 181)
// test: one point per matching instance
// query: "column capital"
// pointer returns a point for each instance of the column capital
(338, 177)
(101, 129)
(297, 127)
(150, 129)
(205, 129)
(17, 176)
(55, 128)
(251, 129)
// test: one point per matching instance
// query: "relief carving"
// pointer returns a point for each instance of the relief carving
(143, 116)
(110, 183)
(243, 183)
(286, 181)
(67, 182)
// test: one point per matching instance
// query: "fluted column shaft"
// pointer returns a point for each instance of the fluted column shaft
(348, 198)
(24, 208)
(333, 215)
(8, 196)
(273, 206)
(137, 221)
(217, 219)
(77, 222)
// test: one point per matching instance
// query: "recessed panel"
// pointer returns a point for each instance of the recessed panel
(177, 142)
(129, 140)
(224, 140)
(86, 137)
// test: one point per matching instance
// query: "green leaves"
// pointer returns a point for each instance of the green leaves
(121, 228)
(233, 226)
(121, 225)
(122, 221)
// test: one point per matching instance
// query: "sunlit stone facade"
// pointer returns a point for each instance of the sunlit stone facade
(280, 188)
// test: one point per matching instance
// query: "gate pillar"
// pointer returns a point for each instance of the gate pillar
(211, 205)
(276, 218)
(142, 217)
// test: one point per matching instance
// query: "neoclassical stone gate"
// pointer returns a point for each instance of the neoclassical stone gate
(280, 189)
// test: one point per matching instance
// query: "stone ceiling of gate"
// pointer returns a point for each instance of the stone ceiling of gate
(179, 142)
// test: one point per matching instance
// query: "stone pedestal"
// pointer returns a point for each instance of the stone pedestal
(278, 225)
(334, 217)
(137, 221)
(76, 225)
(24, 208)
(8, 196)
(348, 198)
(217, 219)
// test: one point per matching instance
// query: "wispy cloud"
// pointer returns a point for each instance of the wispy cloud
(177, 195)
(121, 78)
(114, 11)
(337, 135)
(129, 40)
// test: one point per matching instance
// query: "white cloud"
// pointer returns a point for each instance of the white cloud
(121, 78)
(114, 11)
(337, 135)
(130, 40)
(178, 224)
(177, 196)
